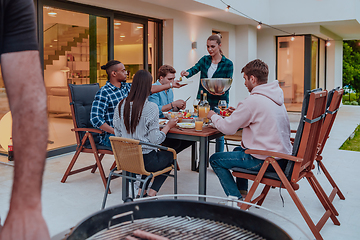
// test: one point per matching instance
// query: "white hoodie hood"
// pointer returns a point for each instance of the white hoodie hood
(270, 90)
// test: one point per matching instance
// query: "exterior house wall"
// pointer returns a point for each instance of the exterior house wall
(245, 42)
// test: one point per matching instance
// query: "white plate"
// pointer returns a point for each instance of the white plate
(183, 82)
(186, 125)
(163, 122)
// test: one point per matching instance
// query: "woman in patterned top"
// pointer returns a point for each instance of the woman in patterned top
(214, 65)
(137, 118)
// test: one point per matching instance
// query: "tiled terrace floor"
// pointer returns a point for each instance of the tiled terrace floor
(65, 204)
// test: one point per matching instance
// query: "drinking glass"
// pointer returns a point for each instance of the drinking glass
(195, 104)
(222, 105)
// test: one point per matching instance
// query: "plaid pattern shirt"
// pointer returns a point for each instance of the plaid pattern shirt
(105, 102)
(225, 69)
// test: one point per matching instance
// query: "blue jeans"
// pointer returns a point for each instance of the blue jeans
(219, 144)
(222, 162)
(105, 141)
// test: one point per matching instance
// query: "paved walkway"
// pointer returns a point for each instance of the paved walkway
(65, 204)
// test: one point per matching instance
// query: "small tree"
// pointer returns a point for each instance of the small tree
(351, 66)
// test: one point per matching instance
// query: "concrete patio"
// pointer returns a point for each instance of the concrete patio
(65, 204)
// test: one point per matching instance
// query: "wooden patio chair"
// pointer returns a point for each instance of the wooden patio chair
(128, 157)
(333, 105)
(298, 165)
(87, 137)
(237, 137)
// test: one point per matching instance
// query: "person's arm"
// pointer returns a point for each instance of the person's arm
(105, 127)
(97, 114)
(193, 70)
(25, 89)
(159, 88)
(240, 118)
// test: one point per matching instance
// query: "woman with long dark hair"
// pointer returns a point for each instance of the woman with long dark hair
(137, 118)
(214, 65)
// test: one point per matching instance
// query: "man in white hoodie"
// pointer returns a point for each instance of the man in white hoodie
(265, 123)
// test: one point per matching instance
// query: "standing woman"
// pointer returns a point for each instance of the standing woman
(215, 65)
(137, 118)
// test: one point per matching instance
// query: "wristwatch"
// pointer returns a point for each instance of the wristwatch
(170, 84)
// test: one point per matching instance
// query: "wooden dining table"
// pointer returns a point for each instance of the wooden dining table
(208, 133)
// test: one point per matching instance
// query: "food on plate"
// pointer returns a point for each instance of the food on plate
(224, 113)
(186, 125)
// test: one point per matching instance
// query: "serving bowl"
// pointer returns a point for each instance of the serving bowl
(216, 86)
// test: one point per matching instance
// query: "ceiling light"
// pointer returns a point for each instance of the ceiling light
(259, 25)
(55, 40)
(122, 36)
(52, 14)
(293, 37)
(328, 43)
(117, 23)
(139, 27)
(227, 8)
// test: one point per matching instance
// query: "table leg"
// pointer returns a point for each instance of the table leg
(204, 155)
(193, 156)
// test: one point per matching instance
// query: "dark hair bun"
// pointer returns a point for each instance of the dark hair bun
(109, 64)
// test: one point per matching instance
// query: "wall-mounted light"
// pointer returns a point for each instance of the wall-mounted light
(194, 45)
(227, 8)
(65, 69)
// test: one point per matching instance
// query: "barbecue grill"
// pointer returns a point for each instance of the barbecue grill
(176, 219)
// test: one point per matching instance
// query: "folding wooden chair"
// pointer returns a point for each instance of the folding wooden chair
(128, 157)
(299, 165)
(333, 105)
(87, 137)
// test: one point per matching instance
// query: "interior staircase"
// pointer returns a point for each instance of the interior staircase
(63, 42)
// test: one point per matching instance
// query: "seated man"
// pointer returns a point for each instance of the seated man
(265, 124)
(165, 99)
(108, 97)
(165, 102)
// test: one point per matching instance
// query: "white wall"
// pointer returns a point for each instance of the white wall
(53, 76)
(245, 42)
(334, 65)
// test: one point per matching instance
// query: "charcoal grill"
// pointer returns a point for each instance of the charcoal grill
(176, 219)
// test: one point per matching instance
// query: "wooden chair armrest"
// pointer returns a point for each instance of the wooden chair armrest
(274, 154)
(87, 130)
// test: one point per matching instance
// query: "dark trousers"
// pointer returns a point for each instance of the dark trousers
(176, 144)
(155, 161)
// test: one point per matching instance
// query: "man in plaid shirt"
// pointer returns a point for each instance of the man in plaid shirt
(108, 97)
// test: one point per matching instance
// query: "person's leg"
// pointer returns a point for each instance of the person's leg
(222, 162)
(219, 144)
(176, 144)
(105, 141)
(155, 161)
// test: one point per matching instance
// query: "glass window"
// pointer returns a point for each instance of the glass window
(290, 70)
(128, 46)
(314, 63)
(75, 46)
